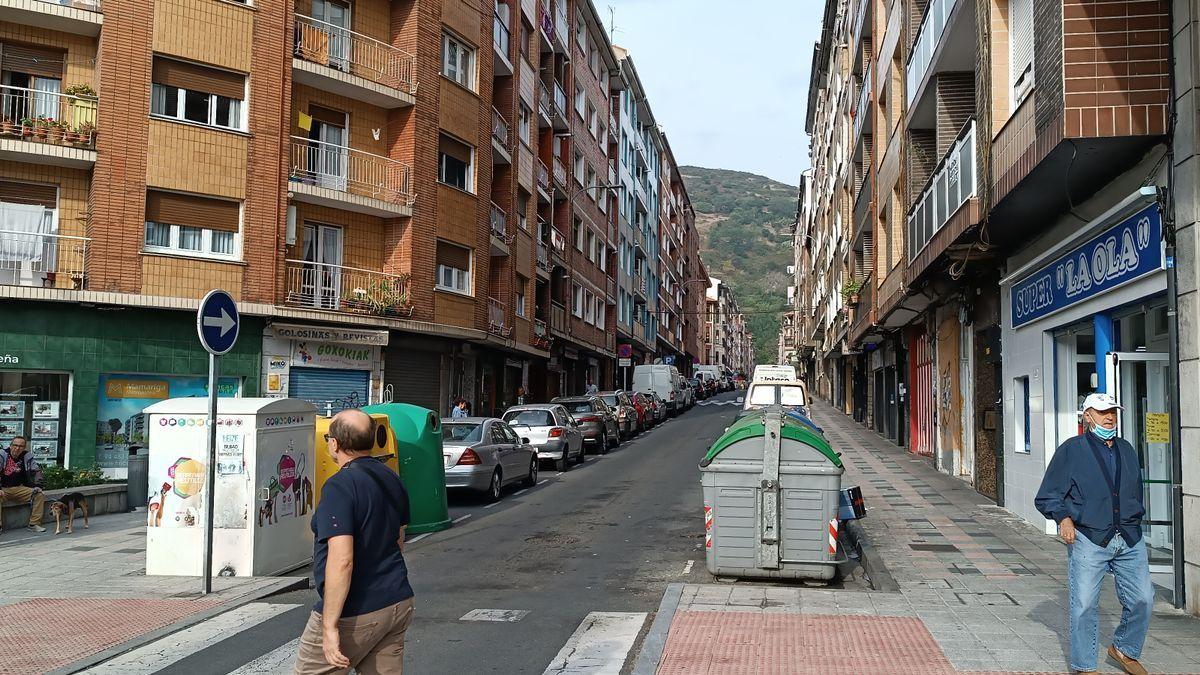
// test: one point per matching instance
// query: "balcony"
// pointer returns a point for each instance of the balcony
(543, 260)
(558, 318)
(348, 179)
(558, 245)
(337, 288)
(862, 112)
(639, 286)
(545, 106)
(614, 126)
(497, 322)
(611, 289)
(950, 186)
(560, 120)
(80, 17)
(945, 43)
(47, 128)
(36, 259)
(862, 25)
(500, 154)
(560, 173)
(543, 179)
(340, 61)
(639, 241)
(501, 64)
(500, 239)
(562, 28)
(540, 337)
(643, 198)
(863, 311)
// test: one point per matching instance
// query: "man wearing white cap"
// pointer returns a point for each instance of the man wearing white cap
(1093, 490)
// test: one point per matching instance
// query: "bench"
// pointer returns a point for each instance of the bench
(107, 498)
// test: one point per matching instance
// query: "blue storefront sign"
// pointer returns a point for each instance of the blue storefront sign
(1124, 252)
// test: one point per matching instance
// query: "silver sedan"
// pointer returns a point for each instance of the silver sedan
(484, 454)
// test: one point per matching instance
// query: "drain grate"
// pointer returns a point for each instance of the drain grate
(988, 599)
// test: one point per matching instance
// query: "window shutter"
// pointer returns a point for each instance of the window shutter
(456, 149)
(326, 116)
(1021, 39)
(453, 256)
(12, 192)
(195, 77)
(174, 208)
(32, 60)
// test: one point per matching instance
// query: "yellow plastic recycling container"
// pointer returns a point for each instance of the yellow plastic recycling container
(385, 449)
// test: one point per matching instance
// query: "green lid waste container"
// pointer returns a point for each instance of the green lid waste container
(418, 433)
(771, 488)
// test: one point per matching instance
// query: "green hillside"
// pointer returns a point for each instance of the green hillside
(745, 221)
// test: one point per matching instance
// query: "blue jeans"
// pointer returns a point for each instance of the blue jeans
(1086, 567)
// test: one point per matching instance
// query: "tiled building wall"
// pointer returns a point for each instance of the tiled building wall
(955, 105)
(192, 158)
(79, 61)
(214, 33)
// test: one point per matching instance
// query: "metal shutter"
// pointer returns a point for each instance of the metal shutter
(330, 390)
(415, 377)
(1020, 14)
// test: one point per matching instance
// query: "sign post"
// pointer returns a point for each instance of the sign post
(217, 324)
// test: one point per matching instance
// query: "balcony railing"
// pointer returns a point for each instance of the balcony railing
(496, 318)
(499, 222)
(499, 128)
(952, 184)
(639, 238)
(560, 172)
(558, 318)
(860, 19)
(545, 102)
(89, 5)
(614, 127)
(543, 175)
(933, 26)
(354, 53)
(352, 171)
(562, 28)
(558, 242)
(861, 113)
(346, 289)
(48, 117)
(540, 337)
(560, 100)
(500, 33)
(543, 257)
(38, 259)
(639, 284)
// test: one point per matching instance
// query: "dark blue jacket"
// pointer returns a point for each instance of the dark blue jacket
(1077, 484)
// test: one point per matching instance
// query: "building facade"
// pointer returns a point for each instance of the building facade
(411, 201)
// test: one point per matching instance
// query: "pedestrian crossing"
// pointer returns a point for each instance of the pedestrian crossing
(599, 646)
(735, 401)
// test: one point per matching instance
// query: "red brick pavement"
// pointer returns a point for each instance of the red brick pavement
(741, 643)
(43, 634)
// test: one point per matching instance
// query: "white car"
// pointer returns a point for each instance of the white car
(550, 429)
(791, 394)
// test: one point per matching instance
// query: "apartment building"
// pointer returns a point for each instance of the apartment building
(1002, 211)
(728, 343)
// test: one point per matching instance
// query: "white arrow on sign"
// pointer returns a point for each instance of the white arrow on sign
(224, 322)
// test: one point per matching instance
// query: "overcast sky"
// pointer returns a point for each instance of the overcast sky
(728, 81)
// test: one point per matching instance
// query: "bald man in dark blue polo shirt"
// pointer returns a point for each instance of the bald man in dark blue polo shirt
(365, 603)
(1093, 490)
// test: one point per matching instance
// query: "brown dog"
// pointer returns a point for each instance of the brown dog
(69, 502)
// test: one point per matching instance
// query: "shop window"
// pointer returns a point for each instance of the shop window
(198, 94)
(453, 268)
(34, 405)
(1022, 416)
(191, 225)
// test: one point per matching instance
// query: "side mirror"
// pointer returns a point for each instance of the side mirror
(525, 440)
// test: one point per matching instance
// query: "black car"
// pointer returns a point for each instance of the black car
(698, 386)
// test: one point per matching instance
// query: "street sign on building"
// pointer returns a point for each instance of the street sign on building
(623, 362)
(625, 351)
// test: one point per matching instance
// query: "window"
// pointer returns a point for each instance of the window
(526, 31)
(192, 225)
(523, 125)
(522, 211)
(601, 308)
(580, 101)
(1021, 394)
(194, 93)
(603, 259)
(577, 300)
(593, 120)
(453, 268)
(578, 169)
(594, 61)
(591, 245)
(522, 283)
(577, 234)
(581, 33)
(1021, 48)
(458, 61)
(455, 163)
(589, 305)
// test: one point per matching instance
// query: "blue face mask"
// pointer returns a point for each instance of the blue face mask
(1104, 434)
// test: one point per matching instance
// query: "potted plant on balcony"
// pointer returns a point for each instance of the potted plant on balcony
(85, 133)
(851, 290)
(41, 128)
(82, 103)
(27, 125)
(10, 127)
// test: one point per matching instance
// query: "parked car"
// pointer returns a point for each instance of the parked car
(698, 388)
(663, 380)
(645, 408)
(596, 420)
(660, 407)
(792, 395)
(627, 415)
(688, 394)
(484, 454)
(551, 430)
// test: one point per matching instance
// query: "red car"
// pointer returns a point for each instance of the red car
(645, 410)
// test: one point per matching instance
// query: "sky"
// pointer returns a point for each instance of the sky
(727, 79)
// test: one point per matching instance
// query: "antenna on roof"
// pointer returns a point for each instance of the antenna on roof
(612, 22)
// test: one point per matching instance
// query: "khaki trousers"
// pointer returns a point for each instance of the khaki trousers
(24, 495)
(373, 642)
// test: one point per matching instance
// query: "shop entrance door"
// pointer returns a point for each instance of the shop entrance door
(1139, 380)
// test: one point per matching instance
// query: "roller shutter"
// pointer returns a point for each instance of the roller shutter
(329, 389)
(415, 377)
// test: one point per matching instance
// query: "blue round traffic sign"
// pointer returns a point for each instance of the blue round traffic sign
(217, 322)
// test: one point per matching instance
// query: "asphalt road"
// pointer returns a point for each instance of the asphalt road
(605, 536)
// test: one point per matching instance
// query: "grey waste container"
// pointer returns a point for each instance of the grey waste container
(771, 489)
(137, 484)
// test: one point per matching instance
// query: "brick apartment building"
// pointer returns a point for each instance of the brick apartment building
(411, 201)
(980, 238)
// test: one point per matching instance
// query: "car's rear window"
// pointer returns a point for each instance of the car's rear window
(611, 400)
(770, 394)
(530, 418)
(762, 395)
(791, 395)
(580, 407)
(462, 432)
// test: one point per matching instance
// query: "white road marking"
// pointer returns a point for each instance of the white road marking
(543, 482)
(461, 518)
(279, 661)
(175, 647)
(492, 505)
(600, 645)
(419, 537)
(558, 474)
(508, 615)
(687, 568)
(518, 492)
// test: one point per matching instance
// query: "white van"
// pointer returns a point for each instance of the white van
(779, 373)
(662, 380)
(791, 394)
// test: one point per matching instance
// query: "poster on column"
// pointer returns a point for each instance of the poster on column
(177, 477)
(123, 397)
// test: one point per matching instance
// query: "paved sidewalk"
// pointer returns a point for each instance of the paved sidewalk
(980, 591)
(68, 597)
